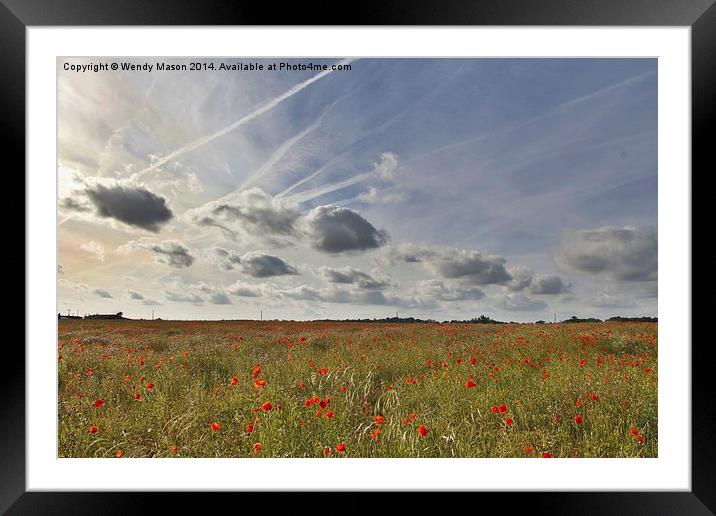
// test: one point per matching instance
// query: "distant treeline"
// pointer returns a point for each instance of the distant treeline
(575, 319)
(633, 319)
(483, 319)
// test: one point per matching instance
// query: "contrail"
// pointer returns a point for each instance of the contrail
(221, 132)
(322, 190)
(286, 146)
(554, 111)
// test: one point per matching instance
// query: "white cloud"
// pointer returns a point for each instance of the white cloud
(94, 248)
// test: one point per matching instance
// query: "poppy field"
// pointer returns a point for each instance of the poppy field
(331, 390)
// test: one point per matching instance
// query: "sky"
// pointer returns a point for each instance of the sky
(521, 189)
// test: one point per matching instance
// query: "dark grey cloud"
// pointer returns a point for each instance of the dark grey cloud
(183, 298)
(72, 204)
(100, 292)
(350, 275)
(253, 212)
(216, 296)
(521, 278)
(334, 229)
(539, 284)
(468, 266)
(438, 289)
(621, 254)
(261, 265)
(353, 296)
(170, 252)
(138, 296)
(549, 284)
(219, 298)
(133, 294)
(226, 259)
(132, 205)
(521, 303)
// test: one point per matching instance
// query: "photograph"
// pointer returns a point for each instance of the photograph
(357, 257)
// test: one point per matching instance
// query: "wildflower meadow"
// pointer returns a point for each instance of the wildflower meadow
(332, 390)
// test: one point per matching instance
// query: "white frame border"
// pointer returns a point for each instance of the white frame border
(670, 471)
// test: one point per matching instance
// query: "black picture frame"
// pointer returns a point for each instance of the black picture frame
(17, 15)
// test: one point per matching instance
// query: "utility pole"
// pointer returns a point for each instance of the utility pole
(555, 318)
(152, 314)
(262, 315)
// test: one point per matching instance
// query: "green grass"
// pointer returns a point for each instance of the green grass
(390, 370)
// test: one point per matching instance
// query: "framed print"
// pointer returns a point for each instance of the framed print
(419, 253)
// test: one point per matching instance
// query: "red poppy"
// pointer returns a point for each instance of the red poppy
(581, 363)
(322, 404)
(493, 409)
(379, 420)
(508, 421)
(137, 396)
(234, 380)
(260, 383)
(249, 428)
(93, 429)
(150, 386)
(470, 384)
(374, 434)
(529, 450)
(422, 431)
(119, 454)
(633, 431)
(257, 447)
(174, 450)
(341, 447)
(98, 403)
(502, 408)
(323, 370)
(412, 416)
(215, 426)
(547, 455)
(344, 388)
(326, 452)
(319, 414)
(256, 371)
(578, 419)
(267, 406)
(578, 403)
(330, 414)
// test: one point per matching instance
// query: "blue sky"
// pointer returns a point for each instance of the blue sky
(443, 188)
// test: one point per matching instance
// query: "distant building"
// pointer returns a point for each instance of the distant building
(60, 316)
(118, 315)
